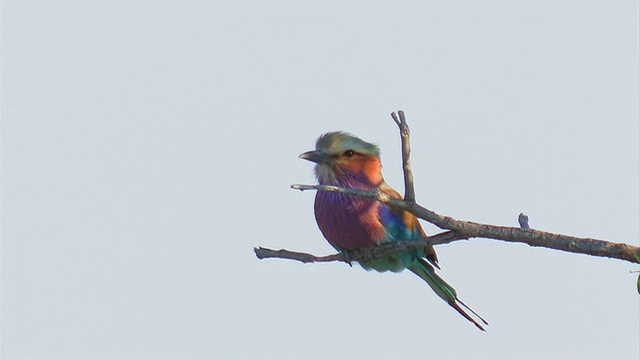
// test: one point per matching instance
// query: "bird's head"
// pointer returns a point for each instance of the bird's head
(339, 156)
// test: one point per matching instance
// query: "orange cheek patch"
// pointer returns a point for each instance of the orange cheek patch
(367, 166)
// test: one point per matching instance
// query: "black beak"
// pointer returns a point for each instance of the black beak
(315, 157)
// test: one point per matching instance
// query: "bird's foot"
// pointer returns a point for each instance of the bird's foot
(348, 256)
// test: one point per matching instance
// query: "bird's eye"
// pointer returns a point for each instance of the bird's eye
(349, 153)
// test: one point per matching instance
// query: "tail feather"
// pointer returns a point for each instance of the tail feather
(425, 271)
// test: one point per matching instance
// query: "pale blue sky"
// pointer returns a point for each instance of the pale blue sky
(148, 146)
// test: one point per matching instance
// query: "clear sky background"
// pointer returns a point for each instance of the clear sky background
(148, 146)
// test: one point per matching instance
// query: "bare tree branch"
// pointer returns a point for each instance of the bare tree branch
(364, 254)
(456, 229)
(468, 229)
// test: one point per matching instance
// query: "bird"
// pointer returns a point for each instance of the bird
(350, 222)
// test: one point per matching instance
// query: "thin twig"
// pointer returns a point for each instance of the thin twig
(265, 253)
(409, 189)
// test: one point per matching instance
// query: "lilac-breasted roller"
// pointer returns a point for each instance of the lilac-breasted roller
(350, 222)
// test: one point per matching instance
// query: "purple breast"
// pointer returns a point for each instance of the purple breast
(347, 221)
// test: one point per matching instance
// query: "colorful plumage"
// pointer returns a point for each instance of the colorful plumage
(349, 222)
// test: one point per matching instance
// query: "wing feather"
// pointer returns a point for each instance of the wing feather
(409, 221)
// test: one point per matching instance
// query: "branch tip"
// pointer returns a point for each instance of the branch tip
(395, 118)
(523, 220)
